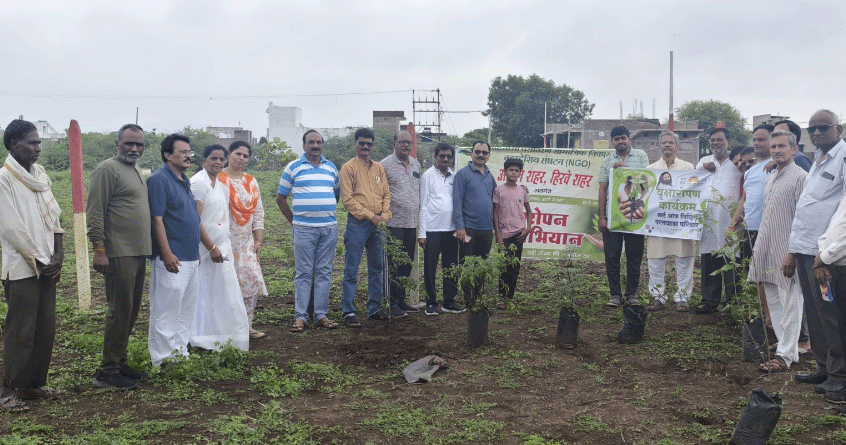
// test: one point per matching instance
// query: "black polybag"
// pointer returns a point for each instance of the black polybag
(758, 420)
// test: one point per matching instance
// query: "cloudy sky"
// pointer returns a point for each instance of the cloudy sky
(219, 63)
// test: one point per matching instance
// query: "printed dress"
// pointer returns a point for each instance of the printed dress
(246, 215)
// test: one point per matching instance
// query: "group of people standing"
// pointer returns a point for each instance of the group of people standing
(790, 222)
(203, 237)
(446, 213)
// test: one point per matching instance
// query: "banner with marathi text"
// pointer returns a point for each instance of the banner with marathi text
(563, 194)
(669, 204)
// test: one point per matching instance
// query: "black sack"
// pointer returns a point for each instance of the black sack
(568, 328)
(633, 325)
(758, 420)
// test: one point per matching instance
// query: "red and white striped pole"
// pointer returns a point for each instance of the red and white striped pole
(80, 242)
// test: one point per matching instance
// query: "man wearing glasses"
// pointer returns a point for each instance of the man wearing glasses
(726, 192)
(624, 156)
(176, 236)
(821, 194)
(367, 198)
(472, 208)
(403, 174)
(437, 228)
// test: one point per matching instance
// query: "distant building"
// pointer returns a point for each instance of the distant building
(596, 134)
(286, 124)
(228, 135)
(388, 120)
(46, 131)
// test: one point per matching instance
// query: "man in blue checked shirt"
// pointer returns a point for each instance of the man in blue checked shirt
(313, 182)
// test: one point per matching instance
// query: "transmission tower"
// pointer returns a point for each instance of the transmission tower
(427, 112)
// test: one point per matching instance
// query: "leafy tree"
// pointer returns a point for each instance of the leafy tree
(477, 134)
(339, 150)
(516, 106)
(708, 113)
(272, 156)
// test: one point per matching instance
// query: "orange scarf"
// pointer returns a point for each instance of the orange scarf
(241, 213)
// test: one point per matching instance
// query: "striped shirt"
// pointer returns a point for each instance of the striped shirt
(781, 193)
(404, 183)
(315, 190)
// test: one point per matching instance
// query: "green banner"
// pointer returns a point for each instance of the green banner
(563, 195)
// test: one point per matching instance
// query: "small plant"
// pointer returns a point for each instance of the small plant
(481, 277)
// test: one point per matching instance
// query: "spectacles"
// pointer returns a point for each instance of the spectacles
(749, 161)
(445, 156)
(185, 153)
(365, 144)
(404, 142)
(480, 152)
(822, 128)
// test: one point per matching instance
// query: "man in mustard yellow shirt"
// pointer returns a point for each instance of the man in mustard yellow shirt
(367, 198)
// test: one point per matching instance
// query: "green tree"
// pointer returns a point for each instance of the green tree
(272, 156)
(477, 134)
(339, 150)
(708, 113)
(516, 107)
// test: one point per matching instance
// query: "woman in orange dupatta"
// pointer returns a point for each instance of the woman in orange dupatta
(246, 227)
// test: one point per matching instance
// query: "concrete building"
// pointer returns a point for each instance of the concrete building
(228, 135)
(595, 134)
(46, 131)
(388, 120)
(286, 124)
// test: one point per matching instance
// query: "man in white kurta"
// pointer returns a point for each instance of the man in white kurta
(725, 192)
(659, 250)
(784, 298)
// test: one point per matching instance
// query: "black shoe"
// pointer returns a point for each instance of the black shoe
(452, 308)
(838, 397)
(396, 312)
(705, 309)
(378, 316)
(829, 385)
(351, 321)
(815, 377)
(130, 373)
(631, 300)
(432, 309)
(113, 381)
(407, 307)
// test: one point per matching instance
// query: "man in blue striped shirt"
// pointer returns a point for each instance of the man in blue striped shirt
(312, 180)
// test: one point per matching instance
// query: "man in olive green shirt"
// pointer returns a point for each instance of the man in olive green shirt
(118, 215)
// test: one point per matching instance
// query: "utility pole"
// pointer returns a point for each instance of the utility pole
(671, 125)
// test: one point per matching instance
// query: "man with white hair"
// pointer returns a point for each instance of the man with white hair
(661, 249)
(822, 192)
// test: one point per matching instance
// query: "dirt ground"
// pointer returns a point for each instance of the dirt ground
(685, 383)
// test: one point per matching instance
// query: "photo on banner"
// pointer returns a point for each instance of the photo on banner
(668, 204)
(563, 196)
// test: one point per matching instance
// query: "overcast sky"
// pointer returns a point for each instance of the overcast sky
(219, 63)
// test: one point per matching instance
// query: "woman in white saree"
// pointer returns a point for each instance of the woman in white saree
(220, 316)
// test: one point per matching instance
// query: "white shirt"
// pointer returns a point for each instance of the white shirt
(832, 243)
(436, 202)
(725, 192)
(820, 197)
(24, 235)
